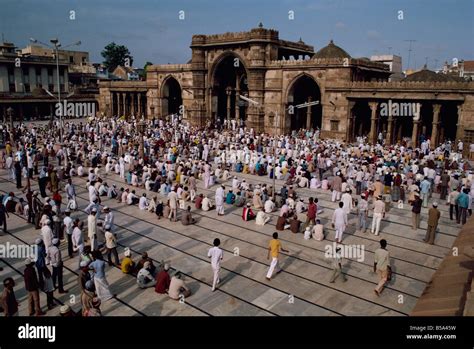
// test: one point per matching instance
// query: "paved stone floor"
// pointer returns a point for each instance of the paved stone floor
(303, 287)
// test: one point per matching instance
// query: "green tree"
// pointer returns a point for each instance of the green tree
(143, 73)
(115, 55)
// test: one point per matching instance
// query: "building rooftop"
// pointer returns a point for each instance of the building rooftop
(331, 51)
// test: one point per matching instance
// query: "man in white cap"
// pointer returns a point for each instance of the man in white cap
(144, 277)
(92, 229)
(433, 218)
(108, 219)
(339, 221)
(56, 261)
(47, 234)
(346, 199)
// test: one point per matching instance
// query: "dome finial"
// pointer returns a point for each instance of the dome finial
(331, 42)
(260, 25)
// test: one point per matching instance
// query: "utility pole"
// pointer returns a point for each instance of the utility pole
(411, 41)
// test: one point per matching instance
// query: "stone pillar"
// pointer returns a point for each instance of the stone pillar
(229, 92)
(373, 122)
(124, 105)
(350, 128)
(434, 130)
(388, 138)
(414, 135)
(308, 114)
(132, 95)
(460, 127)
(237, 92)
(139, 102)
(400, 130)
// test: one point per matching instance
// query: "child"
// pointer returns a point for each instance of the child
(159, 209)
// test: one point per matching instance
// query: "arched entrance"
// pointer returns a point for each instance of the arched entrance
(362, 114)
(229, 82)
(171, 97)
(303, 90)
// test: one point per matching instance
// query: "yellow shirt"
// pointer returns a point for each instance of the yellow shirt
(127, 264)
(275, 246)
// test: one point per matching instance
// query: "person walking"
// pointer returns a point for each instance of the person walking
(219, 198)
(100, 282)
(216, 255)
(111, 245)
(337, 265)
(274, 248)
(463, 204)
(362, 213)
(3, 217)
(379, 213)
(381, 265)
(311, 214)
(433, 218)
(339, 221)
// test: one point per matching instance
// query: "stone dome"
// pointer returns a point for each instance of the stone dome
(430, 76)
(331, 51)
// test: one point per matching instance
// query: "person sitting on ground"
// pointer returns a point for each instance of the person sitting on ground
(198, 201)
(66, 311)
(295, 224)
(132, 198)
(240, 200)
(318, 231)
(178, 289)
(282, 222)
(128, 265)
(307, 233)
(247, 213)
(145, 259)
(230, 198)
(300, 206)
(262, 218)
(152, 205)
(269, 205)
(143, 202)
(207, 204)
(144, 277)
(159, 209)
(163, 280)
(187, 218)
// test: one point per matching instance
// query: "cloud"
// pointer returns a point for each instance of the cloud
(340, 25)
(373, 35)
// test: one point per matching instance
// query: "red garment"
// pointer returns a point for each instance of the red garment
(312, 209)
(162, 282)
(198, 202)
(247, 214)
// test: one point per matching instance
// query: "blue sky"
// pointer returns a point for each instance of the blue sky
(152, 30)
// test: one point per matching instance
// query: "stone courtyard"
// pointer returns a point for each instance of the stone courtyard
(303, 287)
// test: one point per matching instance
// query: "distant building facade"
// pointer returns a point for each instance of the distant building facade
(395, 65)
(28, 81)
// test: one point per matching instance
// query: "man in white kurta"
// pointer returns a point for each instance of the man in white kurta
(339, 220)
(220, 196)
(92, 229)
(216, 255)
(346, 199)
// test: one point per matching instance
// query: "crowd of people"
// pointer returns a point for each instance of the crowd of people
(359, 178)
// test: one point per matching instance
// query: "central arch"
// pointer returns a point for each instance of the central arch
(228, 82)
(171, 96)
(304, 89)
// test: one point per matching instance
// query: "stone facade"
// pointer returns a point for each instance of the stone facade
(256, 78)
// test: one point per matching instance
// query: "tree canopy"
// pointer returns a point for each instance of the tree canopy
(115, 55)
